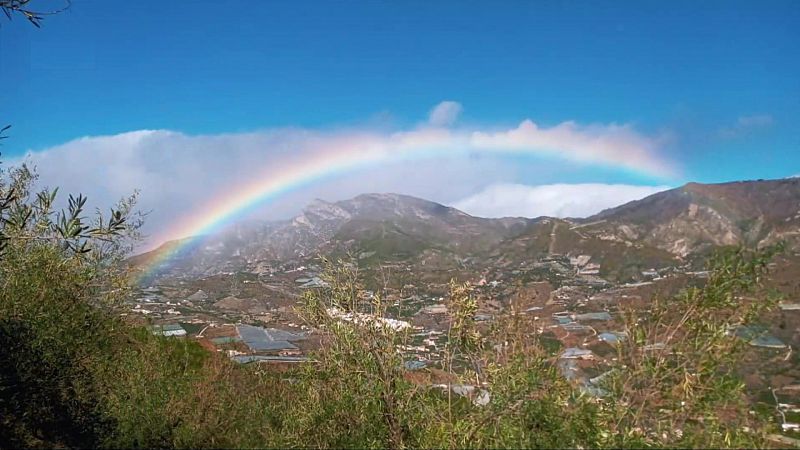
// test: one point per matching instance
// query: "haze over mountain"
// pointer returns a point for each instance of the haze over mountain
(665, 228)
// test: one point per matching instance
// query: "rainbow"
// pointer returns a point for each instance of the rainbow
(337, 155)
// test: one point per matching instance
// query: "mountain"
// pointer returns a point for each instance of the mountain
(695, 217)
(617, 258)
(387, 224)
(391, 224)
(376, 226)
(665, 229)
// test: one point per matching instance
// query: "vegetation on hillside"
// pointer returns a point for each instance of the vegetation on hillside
(74, 373)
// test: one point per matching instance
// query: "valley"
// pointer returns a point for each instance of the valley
(571, 279)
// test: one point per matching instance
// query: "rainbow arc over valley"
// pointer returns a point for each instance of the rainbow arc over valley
(338, 155)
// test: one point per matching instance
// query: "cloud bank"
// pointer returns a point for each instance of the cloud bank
(745, 125)
(181, 175)
(445, 113)
(554, 200)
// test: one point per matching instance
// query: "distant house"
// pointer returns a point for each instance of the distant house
(652, 273)
(757, 336)
(594, 386)
(590, 269)
(658, 346)
(699, 274)
(575, 327)
(172, 329)
(267, 339)
(435, 309)
(612, 337)
(246, 359)
(580, 260)
(198, 296)
(368, 319)
(414, 365)
(314, 282)
(479, 396)
(601, 316)
(577, 353)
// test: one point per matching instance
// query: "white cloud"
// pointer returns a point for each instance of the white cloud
(189, 176)
(758, 120)
(746, 124)
(554, 200)
(445, 113)
(592, 144)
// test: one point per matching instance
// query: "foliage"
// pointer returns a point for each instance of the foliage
(676, 379)
(358, 395)
(22, 7)
(55, 270)
(73, 373)
(683, 391)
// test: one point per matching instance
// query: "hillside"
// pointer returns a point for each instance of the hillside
(571, 284)
(694, 217)
(662, 230)
(383, 226)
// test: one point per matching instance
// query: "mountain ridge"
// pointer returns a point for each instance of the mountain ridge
(662, 229)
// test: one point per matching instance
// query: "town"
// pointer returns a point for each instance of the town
(575, 313)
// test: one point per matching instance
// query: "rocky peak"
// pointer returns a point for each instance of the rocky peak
(394, 206)
(322, 210)
(694, 216)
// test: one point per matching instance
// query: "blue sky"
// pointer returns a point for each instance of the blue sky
(717, 83)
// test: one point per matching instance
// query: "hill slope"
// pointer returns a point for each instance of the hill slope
(663, 229)
(694, 217)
